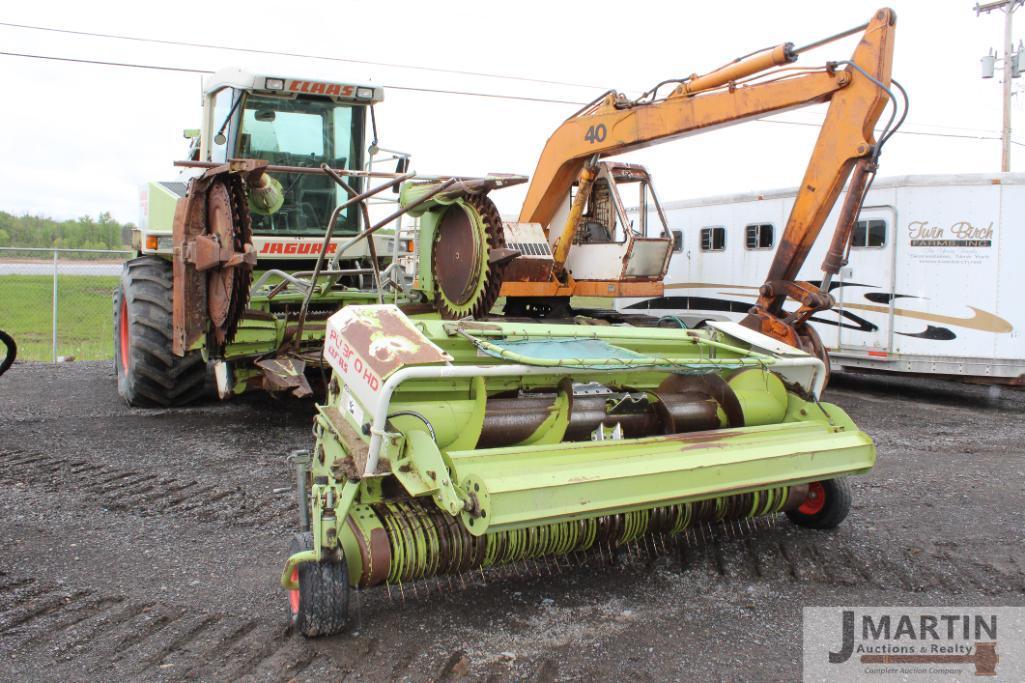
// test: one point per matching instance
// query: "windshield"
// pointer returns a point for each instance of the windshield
(304, 132)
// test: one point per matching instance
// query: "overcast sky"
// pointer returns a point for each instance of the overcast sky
(80, 139)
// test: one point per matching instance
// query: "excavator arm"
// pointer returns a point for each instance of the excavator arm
(748, 88)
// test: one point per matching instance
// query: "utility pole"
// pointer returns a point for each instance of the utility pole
(1008, 6)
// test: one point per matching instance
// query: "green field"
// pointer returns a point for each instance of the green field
(84, 315)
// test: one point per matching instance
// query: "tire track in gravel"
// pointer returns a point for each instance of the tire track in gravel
(766, 550)
(82, 632)
(146, 493)
(95, 634)
(798, 556)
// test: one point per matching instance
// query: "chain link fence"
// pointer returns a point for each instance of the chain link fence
(56, 303)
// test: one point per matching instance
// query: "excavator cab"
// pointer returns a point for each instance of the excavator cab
(611, 242)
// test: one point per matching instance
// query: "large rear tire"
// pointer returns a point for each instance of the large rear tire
(149, 375)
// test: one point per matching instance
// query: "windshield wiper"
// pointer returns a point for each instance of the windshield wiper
(220, 131)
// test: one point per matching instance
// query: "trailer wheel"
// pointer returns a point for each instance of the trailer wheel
(321, 605)
(148, 373)
(827, 505)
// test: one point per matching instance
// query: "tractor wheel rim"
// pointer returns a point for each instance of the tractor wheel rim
(293, 595)
(815, 501)
(124, 341)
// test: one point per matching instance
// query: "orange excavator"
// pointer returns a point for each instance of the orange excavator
(575, 238)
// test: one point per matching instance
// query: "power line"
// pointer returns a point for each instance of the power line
(464, 93)
(208, 46)
(155, 67)
(899, 132)
(95, 61)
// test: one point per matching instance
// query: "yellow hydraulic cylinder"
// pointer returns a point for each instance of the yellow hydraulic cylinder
(742, 68)
(584, 182)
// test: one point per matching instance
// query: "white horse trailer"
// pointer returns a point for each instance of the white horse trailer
(934, 283)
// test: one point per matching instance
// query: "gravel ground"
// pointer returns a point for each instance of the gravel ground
(146, 545)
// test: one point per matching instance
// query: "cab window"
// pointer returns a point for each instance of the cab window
(222, 107)
(304, 132)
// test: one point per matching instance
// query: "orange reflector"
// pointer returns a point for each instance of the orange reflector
(151, 241)
(409, 246)
(878, 354)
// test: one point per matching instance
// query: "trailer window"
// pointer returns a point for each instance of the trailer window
(677, 241)
(870, 233)
(759, 236)
(713, 238)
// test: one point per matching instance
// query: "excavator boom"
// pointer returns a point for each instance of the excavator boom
(857, 91)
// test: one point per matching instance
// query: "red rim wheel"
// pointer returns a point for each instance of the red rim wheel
(815, 501)
(124, 341)
(293, 596)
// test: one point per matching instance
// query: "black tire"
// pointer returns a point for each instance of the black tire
(10, 353)
(149, 375)
(321, 607)
(827, 506)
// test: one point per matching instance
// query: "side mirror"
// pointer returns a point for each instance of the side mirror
(401, 167)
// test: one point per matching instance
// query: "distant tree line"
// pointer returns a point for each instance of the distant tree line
(102, 232)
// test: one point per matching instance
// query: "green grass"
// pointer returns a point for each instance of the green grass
(84, 315)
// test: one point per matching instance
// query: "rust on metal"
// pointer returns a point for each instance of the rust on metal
(796, 497)
(213, 255)
(709, 386)
(284, 373)
(375, 554)
(329, 233)
(458, 259)
(681, 404)
(273, 168)
(836, 256)
(510, 421)
(354, 446)
(384, 338)
(459, 255)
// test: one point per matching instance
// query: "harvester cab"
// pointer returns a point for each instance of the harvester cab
(225, 253)
(286, 122)
(289, 122)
